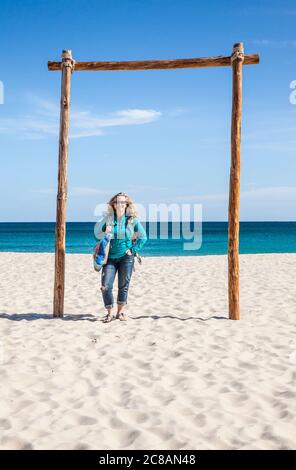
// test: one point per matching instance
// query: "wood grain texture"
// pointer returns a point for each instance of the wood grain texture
(218, 61)
(60, 229)
(234, 186)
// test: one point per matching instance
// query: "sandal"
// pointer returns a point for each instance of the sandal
(121, 317)
(108, 318)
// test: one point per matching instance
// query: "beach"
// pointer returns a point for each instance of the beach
(177, 375)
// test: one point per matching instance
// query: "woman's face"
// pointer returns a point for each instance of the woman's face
(120, 205)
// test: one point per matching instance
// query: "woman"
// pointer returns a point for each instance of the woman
(127, 237)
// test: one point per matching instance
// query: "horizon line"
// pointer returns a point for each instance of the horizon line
(147, 221)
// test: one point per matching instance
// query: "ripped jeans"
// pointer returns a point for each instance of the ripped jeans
(124, 266)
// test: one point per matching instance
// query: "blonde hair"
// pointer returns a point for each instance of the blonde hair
(130, 209)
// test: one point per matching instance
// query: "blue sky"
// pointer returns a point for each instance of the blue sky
(161, 136)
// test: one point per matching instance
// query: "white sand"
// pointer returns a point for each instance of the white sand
(176, 375)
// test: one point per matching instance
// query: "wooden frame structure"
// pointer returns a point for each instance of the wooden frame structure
(67, 66)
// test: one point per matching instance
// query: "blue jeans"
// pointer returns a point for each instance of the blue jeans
(124, 266)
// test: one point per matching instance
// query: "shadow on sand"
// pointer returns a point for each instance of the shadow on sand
(46, 316)
(160, 317)
(93, 318)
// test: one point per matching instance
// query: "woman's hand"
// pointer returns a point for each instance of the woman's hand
(128, 252)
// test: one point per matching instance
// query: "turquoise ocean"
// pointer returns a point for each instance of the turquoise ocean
(255, 237)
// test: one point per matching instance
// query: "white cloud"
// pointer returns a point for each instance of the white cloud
(268, 193)
(86, 124)
(274, 192)
(44, 121)
(27, 126)
(258, 203)
(269, 138)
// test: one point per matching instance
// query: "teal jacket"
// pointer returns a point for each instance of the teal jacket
(122, 235)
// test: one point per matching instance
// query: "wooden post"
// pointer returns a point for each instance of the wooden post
(60, 230)
(237, 59)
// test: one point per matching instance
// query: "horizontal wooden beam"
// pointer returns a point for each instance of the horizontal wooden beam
(218, 61)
